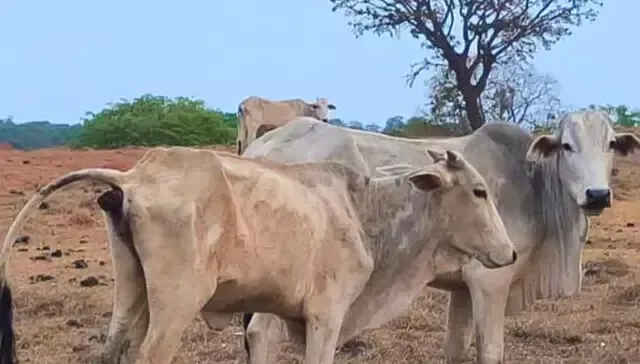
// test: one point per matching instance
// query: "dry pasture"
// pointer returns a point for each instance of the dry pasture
(61, 275)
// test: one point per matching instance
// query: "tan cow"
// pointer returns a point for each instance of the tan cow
(197, 231)
(255, 111)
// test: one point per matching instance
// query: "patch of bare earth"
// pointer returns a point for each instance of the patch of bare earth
(61, 274)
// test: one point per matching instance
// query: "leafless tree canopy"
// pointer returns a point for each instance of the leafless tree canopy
(515, 92)
(470, 37)
(518, 93)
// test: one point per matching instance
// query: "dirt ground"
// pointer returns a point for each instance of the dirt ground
(61, 273)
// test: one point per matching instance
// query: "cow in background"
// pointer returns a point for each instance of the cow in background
(255, 111)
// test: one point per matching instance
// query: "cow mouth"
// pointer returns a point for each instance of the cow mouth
(488, 262)
(595, 208)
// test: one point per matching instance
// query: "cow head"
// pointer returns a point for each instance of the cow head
(320, 109)
(583, 146)
(464, 215)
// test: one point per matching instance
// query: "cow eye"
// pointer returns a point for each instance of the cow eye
(479, 193)
(567, 147)
(612, 145)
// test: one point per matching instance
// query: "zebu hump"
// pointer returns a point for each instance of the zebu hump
(302, 139)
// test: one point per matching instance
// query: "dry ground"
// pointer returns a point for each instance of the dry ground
(61, 273)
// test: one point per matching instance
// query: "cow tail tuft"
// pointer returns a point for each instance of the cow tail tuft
(7, 339)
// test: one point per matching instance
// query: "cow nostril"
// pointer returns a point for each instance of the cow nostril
(515, 256)
(598, 193)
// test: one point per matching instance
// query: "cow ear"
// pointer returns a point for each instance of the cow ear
(428, 180)
(626, 143)
(542, 147)
(331, 107)
(436, 156)
(454, 159)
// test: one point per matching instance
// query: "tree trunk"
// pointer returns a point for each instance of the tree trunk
(472, 108)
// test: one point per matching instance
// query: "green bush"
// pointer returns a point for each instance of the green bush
(156, 120)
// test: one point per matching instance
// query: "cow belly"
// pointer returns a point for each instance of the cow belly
(233, 297)
(449, 281)
(382, 301)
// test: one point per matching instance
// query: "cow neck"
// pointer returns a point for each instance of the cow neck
(556, 208)
(392, 214)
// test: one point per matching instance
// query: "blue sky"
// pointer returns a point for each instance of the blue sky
(62, 58)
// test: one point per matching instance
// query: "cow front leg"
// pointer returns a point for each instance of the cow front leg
(459, 327)
(322, 332)
(325, 311)
(489, 300)
(264, 332)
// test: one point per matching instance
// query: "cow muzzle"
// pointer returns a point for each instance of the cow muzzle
(596, 200)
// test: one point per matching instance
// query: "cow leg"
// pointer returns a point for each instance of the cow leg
(489, 294)
(322, 331)
(459, 327)
(264, 331)
(136, 336)
(324, 314)
(129, 293)
(173, 305)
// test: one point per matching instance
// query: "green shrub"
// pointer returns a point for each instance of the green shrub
(156, 120)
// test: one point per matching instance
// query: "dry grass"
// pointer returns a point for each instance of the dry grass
(61, 273)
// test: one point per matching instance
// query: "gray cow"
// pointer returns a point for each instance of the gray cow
(544, 187)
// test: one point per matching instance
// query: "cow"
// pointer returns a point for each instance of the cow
(545, 187)
(203, 232)
(255, 111)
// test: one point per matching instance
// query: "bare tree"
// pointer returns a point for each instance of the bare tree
(516, 93)
(496, 31)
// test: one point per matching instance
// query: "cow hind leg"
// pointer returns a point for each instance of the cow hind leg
(459, 327)
(172, 304)
(130, 300)
(170, 312)
(136, 336)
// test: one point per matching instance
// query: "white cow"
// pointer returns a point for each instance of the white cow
(545, 187)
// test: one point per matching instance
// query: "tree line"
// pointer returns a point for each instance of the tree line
(152, 120)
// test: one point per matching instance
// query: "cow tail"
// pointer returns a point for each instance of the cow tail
(111, 177)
